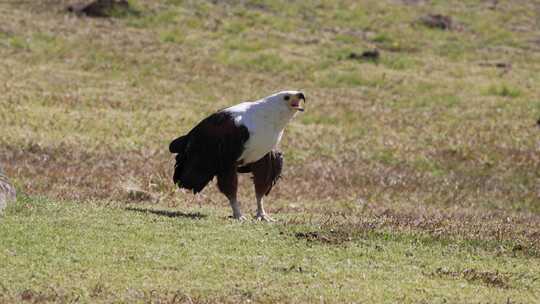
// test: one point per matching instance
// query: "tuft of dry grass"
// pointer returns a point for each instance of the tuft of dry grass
(489, 278)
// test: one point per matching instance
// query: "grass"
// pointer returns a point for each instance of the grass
(101, 253)
(504, 91)
(410, 179)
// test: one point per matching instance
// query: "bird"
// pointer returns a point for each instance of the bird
(242, 138)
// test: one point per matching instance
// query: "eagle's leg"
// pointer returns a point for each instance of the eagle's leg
(263, 179)
(261, 214)
(228, 184)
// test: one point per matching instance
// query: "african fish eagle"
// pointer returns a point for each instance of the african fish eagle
(239, 139)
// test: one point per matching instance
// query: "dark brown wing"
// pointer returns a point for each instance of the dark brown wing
(210, 148)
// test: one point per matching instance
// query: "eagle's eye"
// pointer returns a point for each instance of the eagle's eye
(287, 97)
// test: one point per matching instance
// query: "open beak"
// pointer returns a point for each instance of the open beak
(297, 102)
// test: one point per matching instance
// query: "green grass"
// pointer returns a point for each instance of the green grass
(412, 178)
(504, 91)
(107, 253)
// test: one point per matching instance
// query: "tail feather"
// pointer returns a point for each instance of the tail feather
(192, 171)
(178, 145)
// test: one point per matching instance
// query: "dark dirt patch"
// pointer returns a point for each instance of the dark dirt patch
(167, 213)
(489, 278)
(102, 8)
(312, 236)
(330, 237)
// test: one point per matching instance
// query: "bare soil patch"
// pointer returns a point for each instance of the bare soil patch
(167, 213)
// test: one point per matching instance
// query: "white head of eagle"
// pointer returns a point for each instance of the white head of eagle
(239, 139)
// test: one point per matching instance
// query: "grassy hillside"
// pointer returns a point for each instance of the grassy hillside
(411, 178)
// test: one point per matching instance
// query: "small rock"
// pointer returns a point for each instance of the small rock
(437, 21)
(27, 295)
(100, 8)
(7, 191)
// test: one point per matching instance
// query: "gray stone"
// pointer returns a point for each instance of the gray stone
(7, 191)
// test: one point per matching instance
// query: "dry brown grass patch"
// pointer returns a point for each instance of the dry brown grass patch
(488, 278)
(501, 234)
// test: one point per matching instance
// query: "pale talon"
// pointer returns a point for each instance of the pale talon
(264, 217)
(238, 217)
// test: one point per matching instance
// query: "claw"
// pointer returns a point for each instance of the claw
(238, 217)
(264, 217)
